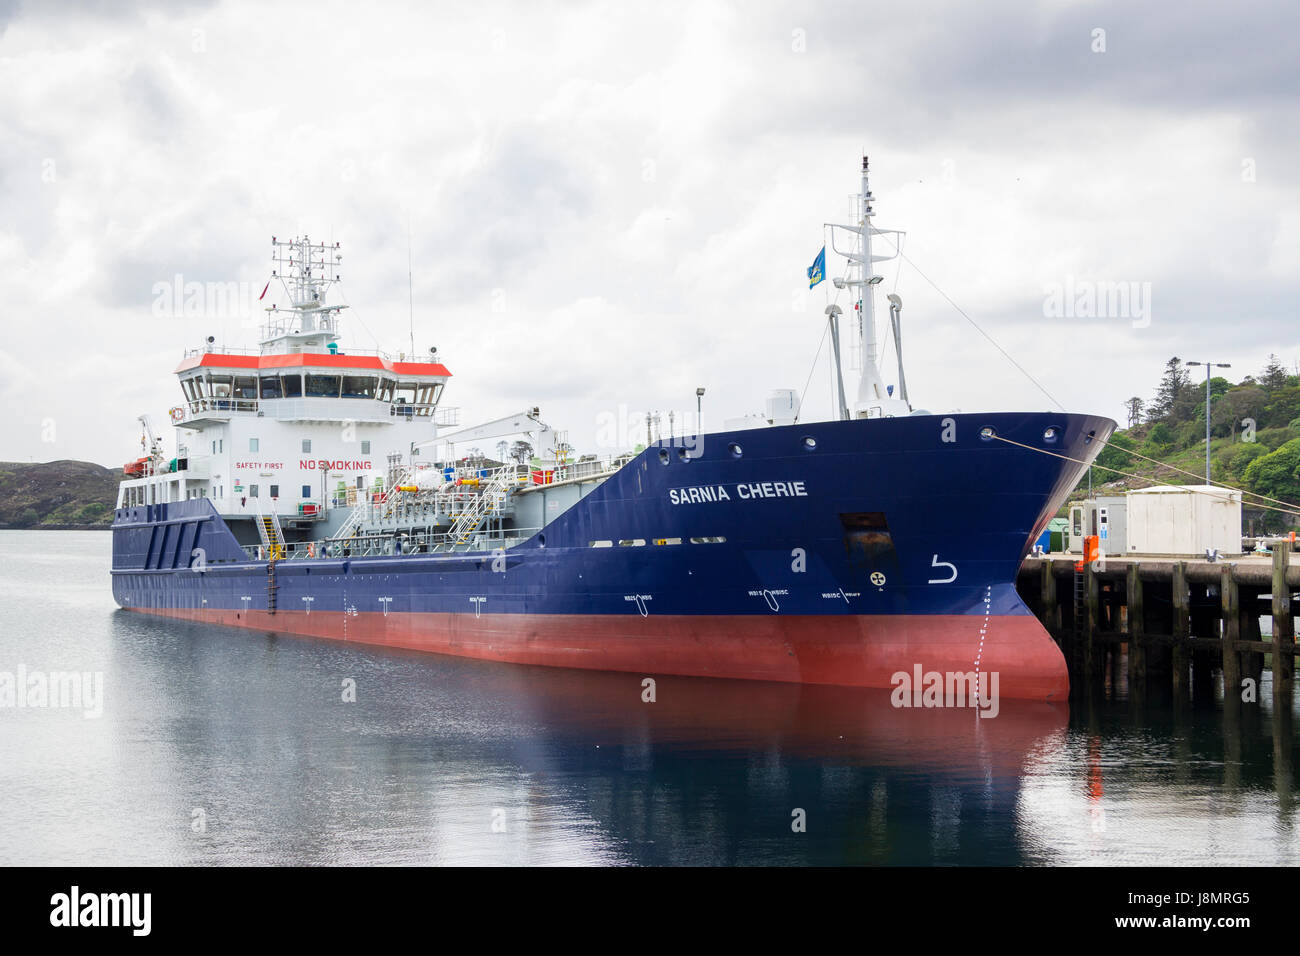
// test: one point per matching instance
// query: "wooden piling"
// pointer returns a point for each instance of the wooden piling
(1182, 631)
(1283, 628)
(1252, 661)
(1094, 653)
(1137, 662)
(1228, 602)
(1205, 632)
(1051, 606)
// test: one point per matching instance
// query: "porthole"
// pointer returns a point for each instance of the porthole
(1051, 434)
(735, 450)
(683, 454)
(663, 456)
(1091, 435)
(809, 443)
(987, 433)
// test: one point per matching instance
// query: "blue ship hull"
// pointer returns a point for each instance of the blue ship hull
(831, 552)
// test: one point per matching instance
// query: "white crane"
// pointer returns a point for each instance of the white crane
(527, 422)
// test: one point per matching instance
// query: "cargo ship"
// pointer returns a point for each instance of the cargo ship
(330, 492)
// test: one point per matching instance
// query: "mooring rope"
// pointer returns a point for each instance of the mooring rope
(1289, 509)
(1183, 471)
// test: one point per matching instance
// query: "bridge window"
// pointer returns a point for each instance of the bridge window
(292, 385)
(323, 386)
(270, 386)
(359, 386)
(246, 388)
(386, 388)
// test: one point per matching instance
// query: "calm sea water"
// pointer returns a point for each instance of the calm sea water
(222, 746)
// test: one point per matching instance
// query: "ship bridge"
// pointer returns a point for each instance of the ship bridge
(297, 431)
(324, 386)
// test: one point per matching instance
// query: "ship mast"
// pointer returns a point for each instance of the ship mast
(873, 398)
(306, 270)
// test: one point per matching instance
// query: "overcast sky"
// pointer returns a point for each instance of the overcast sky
(611, 204)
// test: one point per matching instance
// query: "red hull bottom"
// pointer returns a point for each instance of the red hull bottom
(853, 651)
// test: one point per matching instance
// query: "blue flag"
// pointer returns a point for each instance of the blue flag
(817, 271)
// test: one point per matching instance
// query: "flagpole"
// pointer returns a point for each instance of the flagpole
(410, 285)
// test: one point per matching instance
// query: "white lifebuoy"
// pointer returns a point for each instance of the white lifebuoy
(177, 413)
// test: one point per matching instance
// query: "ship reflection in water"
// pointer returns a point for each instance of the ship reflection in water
(219, 745)
(438, 755)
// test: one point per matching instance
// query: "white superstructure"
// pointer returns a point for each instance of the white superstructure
(298, 427)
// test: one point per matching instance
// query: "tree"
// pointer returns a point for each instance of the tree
(1231, 463)
(1244, 401)
(1283, 405)
(1160, 437)
(1134, 406)
(1114, 455)
(1173, 395)
(1277, 474)
(521, 451)
(1274, 375)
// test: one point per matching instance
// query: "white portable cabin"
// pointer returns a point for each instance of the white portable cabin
(1184, 519)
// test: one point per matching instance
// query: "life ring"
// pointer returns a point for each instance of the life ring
(311, 549)
(177, 413)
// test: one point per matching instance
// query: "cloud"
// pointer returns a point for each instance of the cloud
(610, 206)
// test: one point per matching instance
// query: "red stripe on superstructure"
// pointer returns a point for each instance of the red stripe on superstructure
(311, 360)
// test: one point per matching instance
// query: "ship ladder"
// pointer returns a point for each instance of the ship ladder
(268, 529)
(271, 587)
(1078, 600)
(271, 537)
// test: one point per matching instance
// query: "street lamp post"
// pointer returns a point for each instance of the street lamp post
(1208, 366)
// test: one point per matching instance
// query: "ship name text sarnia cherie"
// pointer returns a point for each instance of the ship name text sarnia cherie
(708, 494)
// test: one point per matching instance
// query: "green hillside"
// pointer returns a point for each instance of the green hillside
(1254, 439)
(57, 494)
